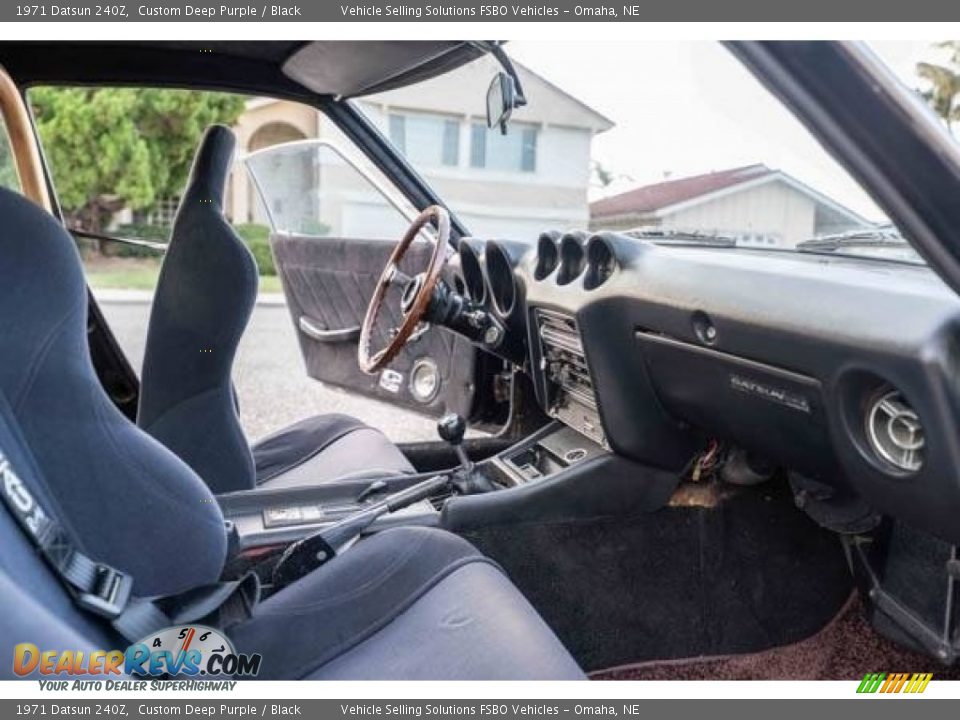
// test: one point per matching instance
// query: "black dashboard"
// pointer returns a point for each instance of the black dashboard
(844, 369)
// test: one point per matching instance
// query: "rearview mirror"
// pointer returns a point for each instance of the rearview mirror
(501, 100)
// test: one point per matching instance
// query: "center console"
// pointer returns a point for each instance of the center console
(565, 383)
(552, 450)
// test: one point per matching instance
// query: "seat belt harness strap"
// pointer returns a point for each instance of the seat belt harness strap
(107, 592)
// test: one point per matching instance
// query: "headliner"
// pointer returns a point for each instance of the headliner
(291, 69)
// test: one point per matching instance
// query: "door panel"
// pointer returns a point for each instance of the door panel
(328, 282)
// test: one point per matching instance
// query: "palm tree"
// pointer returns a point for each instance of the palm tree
(943, 92)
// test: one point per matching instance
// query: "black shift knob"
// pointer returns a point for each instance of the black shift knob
(451, 428)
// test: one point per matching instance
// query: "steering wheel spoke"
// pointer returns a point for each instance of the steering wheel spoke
(398, 277)
(417, 294)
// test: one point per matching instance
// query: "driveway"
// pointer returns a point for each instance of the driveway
(273, 387)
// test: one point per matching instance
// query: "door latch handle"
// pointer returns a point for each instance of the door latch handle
(312, 329)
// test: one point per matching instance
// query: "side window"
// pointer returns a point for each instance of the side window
(8, 169)
(314, 189)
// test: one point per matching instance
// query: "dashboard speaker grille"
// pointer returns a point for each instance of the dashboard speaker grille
(894, 431)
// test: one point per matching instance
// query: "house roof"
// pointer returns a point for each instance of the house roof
(600, 122)
(650, 198)
(673, 195)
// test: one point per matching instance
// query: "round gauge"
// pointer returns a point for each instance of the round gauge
(472, 273)
(548, 256)
(571, 259)
(601, 262)
(500, 276)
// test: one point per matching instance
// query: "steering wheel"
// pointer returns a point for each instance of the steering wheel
(417, 291)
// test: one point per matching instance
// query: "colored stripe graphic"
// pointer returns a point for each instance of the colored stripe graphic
(893, 683)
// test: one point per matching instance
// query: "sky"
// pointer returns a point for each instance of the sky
(684, 108)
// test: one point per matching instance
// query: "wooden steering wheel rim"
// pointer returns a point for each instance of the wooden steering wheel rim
(377, 362)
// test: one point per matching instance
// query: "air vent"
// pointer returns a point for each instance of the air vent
(894, 431)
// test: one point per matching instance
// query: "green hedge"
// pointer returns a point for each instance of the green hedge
(257, 238)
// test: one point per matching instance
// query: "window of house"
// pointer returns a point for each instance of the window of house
(428, 140)
(514, 152)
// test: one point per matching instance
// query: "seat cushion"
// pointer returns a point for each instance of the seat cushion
(326, 447)
(409, 603)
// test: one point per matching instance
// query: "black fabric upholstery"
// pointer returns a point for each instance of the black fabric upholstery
(205, 296)
(411, 603)
(294, 445)
(360, 451)
(116, 481)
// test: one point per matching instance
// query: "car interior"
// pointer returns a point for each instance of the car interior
(681, 483)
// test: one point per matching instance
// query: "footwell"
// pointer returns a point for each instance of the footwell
(846, 649)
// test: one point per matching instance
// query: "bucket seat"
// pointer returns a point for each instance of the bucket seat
(407, 603)
(204, 297)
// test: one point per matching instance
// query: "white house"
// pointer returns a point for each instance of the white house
(517, 185)
(755, 204)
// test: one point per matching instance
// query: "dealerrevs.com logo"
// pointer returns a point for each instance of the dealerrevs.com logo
(179, 651)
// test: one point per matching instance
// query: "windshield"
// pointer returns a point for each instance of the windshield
(672, 142)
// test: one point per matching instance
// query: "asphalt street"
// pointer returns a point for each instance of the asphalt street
(269, 374)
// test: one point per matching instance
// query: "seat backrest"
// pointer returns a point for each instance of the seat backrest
(126, 499)
(34, 606)
(205, 295)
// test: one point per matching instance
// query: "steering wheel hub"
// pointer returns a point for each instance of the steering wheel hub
(410, 293)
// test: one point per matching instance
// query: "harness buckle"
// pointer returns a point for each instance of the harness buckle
(110, 593)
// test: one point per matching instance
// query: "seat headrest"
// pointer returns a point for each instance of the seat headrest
(212, 163)
(128, 500)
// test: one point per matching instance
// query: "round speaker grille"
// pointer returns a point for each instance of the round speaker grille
(424, 380)
(894, 432)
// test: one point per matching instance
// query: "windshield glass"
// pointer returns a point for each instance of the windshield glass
(673, 142)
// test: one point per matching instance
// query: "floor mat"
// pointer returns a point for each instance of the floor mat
(846, 649)
(748, 574)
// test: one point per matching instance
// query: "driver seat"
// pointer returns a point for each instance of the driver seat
(204, 298)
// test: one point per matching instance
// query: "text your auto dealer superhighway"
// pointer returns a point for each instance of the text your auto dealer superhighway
(220, 11)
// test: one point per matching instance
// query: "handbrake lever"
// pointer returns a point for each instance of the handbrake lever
(314, 550)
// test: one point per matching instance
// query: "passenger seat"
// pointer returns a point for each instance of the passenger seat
(409, 603)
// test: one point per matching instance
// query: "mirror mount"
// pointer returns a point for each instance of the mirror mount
(505, 93)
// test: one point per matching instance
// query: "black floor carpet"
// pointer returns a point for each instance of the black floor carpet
(748, 574)
(846, 649)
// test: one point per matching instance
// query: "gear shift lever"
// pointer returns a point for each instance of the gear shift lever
(451, 429)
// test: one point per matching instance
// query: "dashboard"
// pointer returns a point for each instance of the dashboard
(845, 370)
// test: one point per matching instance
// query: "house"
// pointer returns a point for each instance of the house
(514, 185)
(755, 204)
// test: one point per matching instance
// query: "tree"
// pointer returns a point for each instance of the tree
(110, 148)
(603, 176)
(943, 91)
(8, 170)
